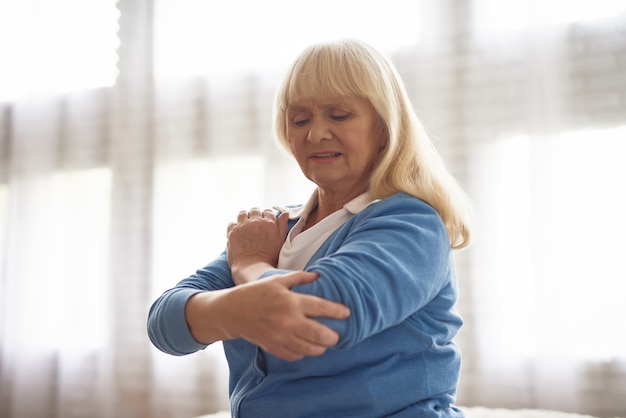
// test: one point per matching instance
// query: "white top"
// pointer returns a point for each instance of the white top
(300, 245)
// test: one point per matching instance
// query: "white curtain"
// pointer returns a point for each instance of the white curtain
(542, 119)
(110, 196)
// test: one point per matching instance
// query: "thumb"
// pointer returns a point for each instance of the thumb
(283, 224)
(296, 278)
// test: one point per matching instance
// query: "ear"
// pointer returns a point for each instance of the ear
(383, 143)
(383, 133)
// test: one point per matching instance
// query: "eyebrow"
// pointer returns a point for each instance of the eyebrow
(298, 108)
(319, 104)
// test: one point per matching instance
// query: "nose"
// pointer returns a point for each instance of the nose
(319, 130)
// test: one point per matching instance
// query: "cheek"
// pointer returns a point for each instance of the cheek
(293, 146)
(294, 139)
(289, 137)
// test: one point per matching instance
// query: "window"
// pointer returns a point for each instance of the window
(55, 46)
(61, 258)
(194, 37)
(585, 271)
(195, 199)
(4, 213)
(551, 237)
(504, 16)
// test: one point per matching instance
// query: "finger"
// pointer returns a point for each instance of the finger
(285, 354)
(285, 348)
(296, 348)
(297, 277)
(268, 214)
(314, 306)
(255, 213)
(242, 216)
(230, 227)
(302, 347)
(283, 224)
(316, 335)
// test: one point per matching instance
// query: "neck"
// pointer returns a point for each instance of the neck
(329, 202)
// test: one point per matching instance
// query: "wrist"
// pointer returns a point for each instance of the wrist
(250, 271)
(198, 309)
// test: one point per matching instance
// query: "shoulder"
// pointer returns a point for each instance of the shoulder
(400, 203)
(405, 213)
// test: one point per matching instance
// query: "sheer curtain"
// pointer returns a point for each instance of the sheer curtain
(111, 195)
(543, 123)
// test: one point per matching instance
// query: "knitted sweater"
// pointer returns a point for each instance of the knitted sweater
(391, 265)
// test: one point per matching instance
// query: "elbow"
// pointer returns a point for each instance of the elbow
(167, 327)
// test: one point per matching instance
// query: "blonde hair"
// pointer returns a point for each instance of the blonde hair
(409, 162)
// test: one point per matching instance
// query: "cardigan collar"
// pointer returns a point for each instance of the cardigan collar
(354, 206)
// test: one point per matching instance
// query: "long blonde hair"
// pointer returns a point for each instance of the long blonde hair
(409, 162)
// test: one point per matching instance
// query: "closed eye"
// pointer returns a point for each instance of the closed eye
(300, 122)
(340, 118)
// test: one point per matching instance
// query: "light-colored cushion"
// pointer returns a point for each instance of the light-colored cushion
(482, 412)
(223, 414)
(479, 412)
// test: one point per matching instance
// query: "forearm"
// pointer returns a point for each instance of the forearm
(204, 314)
(183, 321)
(263, 312)
(249, 271)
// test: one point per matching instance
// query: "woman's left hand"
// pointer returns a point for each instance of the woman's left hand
(254, 243)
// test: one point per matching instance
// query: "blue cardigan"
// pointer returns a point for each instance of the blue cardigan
(391, 265)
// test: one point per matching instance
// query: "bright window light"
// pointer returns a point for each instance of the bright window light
(550, 247)
(63, 256)
(4, 213)
(586, 272)
(501, 16)
(199, 37)
(185, 236)
(56, 46)
(504, 274)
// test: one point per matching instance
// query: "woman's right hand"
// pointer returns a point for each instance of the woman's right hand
(268, 314)
(254, 242)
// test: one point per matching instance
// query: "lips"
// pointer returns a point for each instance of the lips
(320, 155)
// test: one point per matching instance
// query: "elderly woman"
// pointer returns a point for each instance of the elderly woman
(344, 306)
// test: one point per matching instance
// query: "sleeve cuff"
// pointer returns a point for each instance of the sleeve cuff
(167, 325)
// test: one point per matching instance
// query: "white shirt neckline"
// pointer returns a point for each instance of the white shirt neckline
(300, 245)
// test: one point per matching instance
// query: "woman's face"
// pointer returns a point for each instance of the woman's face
(336, 142)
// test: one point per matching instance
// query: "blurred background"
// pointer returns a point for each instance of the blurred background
(132, 132)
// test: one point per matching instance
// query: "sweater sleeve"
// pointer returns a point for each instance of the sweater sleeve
(167, 325)
(388, 262)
